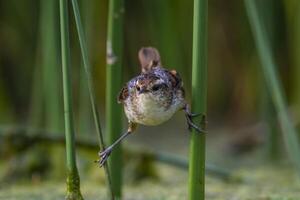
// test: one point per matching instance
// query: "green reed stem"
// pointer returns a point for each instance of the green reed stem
(199, 95)
(87, 66)
(85, 112)
(268, 112)
(50, 64)
(113, 86)
(73, 180)
(273, 82)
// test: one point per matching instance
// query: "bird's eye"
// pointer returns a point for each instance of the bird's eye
(155, 87)
(138, 88)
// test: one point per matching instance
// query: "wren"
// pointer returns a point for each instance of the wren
(152, 97)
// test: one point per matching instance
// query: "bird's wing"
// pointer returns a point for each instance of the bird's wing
(123, 94)
(175, 79)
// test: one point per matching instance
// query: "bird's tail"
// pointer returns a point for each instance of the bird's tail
(149, 58)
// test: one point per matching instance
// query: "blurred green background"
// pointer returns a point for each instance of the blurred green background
(241, 116)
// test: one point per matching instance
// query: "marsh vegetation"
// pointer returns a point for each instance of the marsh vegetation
(63, 63)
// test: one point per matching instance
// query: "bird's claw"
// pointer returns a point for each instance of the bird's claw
(104, 156)
(191, 124)
(191, 115)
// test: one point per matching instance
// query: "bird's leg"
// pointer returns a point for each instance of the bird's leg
(107, 151)
(189, 119)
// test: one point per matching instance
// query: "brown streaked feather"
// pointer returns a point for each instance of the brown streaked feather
(123, 95)
(149, 58)
(175, 79)
(182, 92)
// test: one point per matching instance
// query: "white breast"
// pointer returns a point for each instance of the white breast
(151, 111)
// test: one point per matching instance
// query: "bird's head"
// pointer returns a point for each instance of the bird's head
(150, 84)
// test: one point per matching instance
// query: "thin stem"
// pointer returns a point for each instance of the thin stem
(73, 180)
(113, 86)
(49, 43)
(84, 110)
(104, 155)
(273, 82)
(87, 66)
(267, 107)
(199, 90)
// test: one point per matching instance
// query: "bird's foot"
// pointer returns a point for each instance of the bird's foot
(189, 119)
(103, 155)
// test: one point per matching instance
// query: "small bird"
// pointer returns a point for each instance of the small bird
(152, 97)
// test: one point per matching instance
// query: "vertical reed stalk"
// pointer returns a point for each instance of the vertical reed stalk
(87, 67)
(268, 114)
(73, 180)
(50, 64)
(199, 95)
(51, 80)
(113, 86)
(273, 82)
(85, 115)
(267, 108)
